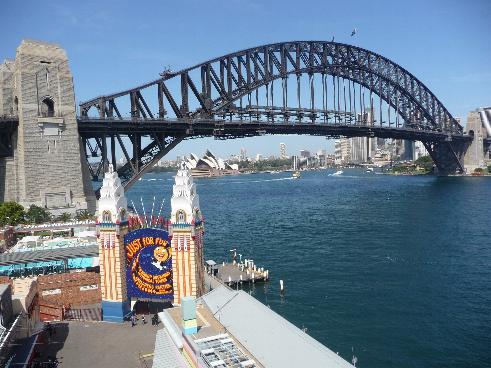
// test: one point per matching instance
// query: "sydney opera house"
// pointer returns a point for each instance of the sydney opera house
(209, 166)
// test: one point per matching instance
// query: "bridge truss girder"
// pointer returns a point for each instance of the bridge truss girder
(227, 89)
(224, 81)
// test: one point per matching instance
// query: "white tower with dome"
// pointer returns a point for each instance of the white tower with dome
(186, 231)
(112, 225)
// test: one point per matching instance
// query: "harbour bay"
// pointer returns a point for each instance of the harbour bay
(394, 270)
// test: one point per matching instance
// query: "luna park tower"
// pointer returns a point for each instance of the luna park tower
(187, 232)
(112, 225)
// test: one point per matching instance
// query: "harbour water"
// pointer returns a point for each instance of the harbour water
(395, 270)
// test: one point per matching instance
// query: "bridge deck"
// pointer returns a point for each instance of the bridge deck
(90, 127)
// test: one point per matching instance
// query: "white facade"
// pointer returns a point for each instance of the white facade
(282, 150)
(186, 232)
(342, 151)
(420, 150)
(112, 201)
(185, 200)
(359, 150)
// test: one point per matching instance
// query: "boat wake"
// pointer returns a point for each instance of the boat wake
(253, 181)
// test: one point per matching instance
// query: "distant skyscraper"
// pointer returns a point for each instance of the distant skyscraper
(282, 150)
(359, 150)
(381, 143)
(342, 151)
(419, 150)
(408, 154)
(304, 153)
(243, 154)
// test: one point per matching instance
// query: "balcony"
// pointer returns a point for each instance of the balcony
(51, 126)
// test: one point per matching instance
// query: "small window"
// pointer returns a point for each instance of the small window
(16, 106)
(181, 217)
(47, 108)
(106, 216)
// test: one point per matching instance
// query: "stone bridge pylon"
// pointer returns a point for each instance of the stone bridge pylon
(44, 165)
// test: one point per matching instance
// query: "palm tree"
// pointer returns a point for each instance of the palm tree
(64, 217)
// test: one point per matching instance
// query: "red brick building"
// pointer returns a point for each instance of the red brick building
(7, 238)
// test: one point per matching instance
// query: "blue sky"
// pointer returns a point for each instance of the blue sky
(118, 44)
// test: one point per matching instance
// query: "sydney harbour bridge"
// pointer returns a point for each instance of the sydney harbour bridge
(307, 87)
(303, 87)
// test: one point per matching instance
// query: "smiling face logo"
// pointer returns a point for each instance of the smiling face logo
(161, 254)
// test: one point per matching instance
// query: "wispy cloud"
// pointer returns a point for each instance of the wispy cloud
(471, 78)
(81, 18)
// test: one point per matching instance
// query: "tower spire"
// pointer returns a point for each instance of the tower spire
(187, 233)
(112, 225)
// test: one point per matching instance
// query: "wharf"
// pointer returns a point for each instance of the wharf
(233, 273)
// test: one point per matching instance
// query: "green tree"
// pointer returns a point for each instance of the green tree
(64, 217)
(37, 215)
(84, 215)
(11, 213)
(425, 162)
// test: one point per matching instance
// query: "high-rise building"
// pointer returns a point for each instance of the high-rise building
(359, 150)
(243, 154)
(409, 148)
(342, 151)
(304, 154)
(187, 232)
(112, 225)
(380, 143)
(320, 157)
(419, 150)
(282, 151)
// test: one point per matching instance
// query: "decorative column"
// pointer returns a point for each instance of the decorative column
(112, 225)
(186, 231)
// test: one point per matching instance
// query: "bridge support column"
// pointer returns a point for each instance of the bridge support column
(46, 167)
(474, 157)
(448, 156)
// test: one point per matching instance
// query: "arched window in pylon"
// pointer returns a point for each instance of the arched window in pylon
(122, 214)
(47, 107)
(106, 216)
(16, 106)
(180, 217)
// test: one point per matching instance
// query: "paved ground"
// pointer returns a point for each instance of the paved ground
(79, 344)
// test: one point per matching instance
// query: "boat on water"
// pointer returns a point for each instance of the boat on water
(369, 170)
(337, 173)
(296, 173)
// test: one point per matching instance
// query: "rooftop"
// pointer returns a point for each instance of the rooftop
(270, 338)
(213, 339)
(48, 255)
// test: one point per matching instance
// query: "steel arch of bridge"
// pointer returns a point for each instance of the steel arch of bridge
(218, 85)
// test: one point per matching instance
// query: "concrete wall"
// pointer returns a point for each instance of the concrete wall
(46, 169)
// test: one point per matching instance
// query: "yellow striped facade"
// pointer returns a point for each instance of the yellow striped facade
(187, 263)
(112, 265)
